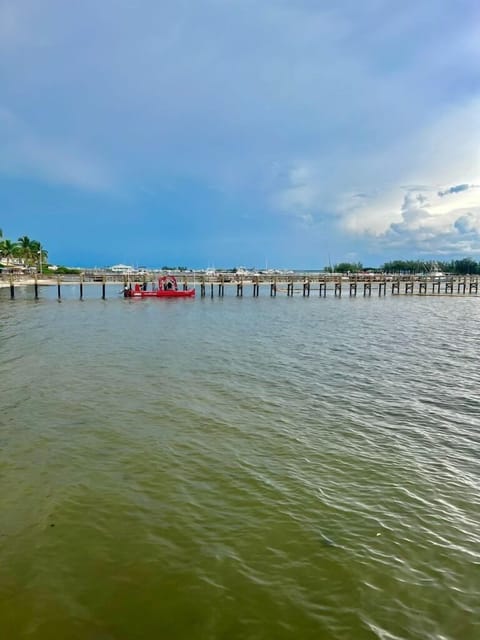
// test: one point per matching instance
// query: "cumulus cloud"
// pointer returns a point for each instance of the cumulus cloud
(410, 211)
(468, 223)
(427, 227)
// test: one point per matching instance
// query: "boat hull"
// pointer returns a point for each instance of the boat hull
(169, 293)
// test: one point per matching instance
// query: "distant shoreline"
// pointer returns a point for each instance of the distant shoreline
(20, 281)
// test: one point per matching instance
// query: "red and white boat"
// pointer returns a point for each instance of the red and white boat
(167, 288)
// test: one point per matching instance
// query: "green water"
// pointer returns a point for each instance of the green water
(251, 469)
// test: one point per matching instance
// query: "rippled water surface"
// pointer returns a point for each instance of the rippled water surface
(249, 468)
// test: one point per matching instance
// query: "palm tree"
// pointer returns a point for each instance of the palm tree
(8, 250)
(38, 254)
(25, 250)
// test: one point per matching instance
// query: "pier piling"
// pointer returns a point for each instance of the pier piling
(273, 288)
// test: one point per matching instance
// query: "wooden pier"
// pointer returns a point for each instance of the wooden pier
(298, 284)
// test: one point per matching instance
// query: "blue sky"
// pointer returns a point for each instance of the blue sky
(241, 132)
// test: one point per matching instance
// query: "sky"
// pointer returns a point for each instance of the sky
(226, 133)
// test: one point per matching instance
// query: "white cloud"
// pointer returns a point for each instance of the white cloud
(427, 226)
(443, 159)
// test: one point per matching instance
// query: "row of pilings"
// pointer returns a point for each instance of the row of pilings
(306, 286)
(291, 285)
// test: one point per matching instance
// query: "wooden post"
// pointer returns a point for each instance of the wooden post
(322, 287)
(202, 287)
(462, 284)
(81, 286)
(449, 286)
(422, 287)
(367, 286)
(240, 288)
(338, 288)
(409, 287)
(353, 288)
(211, 289)
(256, 287)
(35, 285)
(59, 291)
(473, 288)
(12, 288)
(103, 288)
(273, 287)
(396, 287)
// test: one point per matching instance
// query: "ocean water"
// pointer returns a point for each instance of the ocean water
(248, 468)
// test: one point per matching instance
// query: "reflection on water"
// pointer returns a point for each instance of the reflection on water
(239, 468)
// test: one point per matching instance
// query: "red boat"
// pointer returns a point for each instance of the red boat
(167, 288)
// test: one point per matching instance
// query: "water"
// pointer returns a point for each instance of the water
(239, 468)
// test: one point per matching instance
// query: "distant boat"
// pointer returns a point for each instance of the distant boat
(434, 272)
(167, 288)
(124, 269)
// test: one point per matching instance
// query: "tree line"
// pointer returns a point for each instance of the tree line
(465, 266)
(25, 250)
